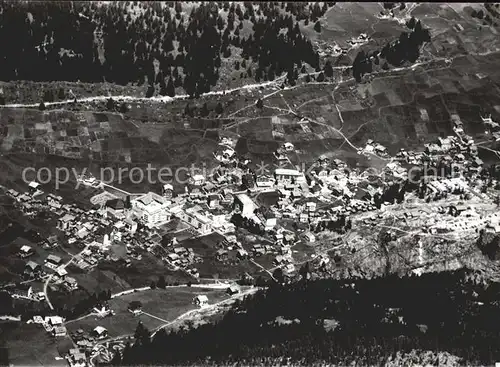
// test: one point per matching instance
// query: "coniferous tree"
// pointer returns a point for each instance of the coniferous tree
(328, 69)
(204, 110)
(219, 109)
(170, 90)
(317, 26)
(110, 104)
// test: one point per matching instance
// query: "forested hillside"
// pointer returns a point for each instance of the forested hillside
(163, 46)
(438, 318)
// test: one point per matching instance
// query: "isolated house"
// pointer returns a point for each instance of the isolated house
(200, 300)
(25, 251)
(32, 269)
(234, 289)
(135, 307)
(100, 332)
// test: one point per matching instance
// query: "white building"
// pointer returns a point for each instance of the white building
(151, 209)
(285, 175)
(197, 180)
(244, 205)
(264, 181)
(200, 300)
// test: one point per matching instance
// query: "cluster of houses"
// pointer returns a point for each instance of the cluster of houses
(183, 258)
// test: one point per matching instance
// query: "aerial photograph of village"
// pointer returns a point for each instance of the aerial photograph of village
(249, 183)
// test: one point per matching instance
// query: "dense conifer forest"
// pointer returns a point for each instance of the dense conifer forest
(158, 46)
(368, 321)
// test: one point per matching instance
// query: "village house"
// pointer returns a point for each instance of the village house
(200, 300)
(70, 283)
(115, 207)
(221, 254)
(241, 254)
(135, 307)
(65, 222)
(197, 180)
(77, 358)
(53, 261)
(32, 270)
(233, 289)
(284, 175)
(309, 237)
(196, 219)
(25, 251)
(99, 332)
(168, 191)
(213, 200)
(264, 181)
(33, 187)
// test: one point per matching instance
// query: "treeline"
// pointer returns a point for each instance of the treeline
(159, 45)
(404, 49)
(338, 322)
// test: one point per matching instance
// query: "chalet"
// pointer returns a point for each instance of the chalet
(200, 300)
(267, 217)
(76, 358)
(70, 283)
(64, 223)
(248, 181)
(284, 175)
(115, 207)
(25, 251)
(196, 219)
(33, 186)
(100, 332)
(152, 209)
(213, 200)
(197, 180)
(258, 250)
(32, 269)
(264, 181)
(289, 269)
(130, 225)
(303, 217)
(234, 289)
(309, 237)
(135, 307)
(53, 321)
(53, 261)
(59, 331)
(173, 257)
(221, 255)
(168, 191)
(241, 254)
